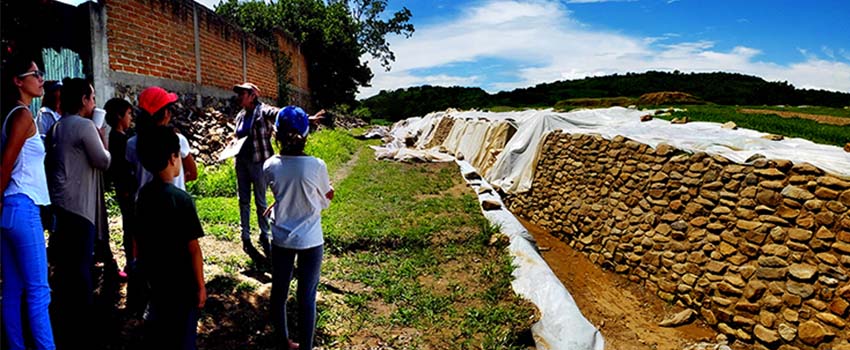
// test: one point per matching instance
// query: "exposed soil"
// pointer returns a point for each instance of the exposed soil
(823, 119)
(668, 97)
(626, 314)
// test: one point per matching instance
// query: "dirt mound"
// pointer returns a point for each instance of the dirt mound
(668, 97)
(602, 102)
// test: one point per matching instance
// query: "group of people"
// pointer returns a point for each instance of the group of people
(60, 159)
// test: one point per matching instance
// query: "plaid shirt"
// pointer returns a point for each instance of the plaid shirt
(260, 133)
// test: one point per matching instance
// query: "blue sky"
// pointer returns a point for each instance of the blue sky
(506, 44)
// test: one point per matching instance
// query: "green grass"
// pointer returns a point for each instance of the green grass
(835, 112)
(335, 147)
(407, 260)
(378, 121)
(217, 180)
(791, 127)
(499, 109)
(215, 188)
(420, 254)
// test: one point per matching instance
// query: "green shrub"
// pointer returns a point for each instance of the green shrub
(335, 147)
(217, 180)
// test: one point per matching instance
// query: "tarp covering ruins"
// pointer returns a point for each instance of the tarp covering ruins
(473, 135)
(504, 148)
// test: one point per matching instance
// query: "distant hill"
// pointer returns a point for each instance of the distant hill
(719, 88)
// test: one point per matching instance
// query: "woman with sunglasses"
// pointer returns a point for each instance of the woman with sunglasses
(24, 187)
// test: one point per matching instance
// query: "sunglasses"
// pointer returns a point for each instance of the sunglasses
(36, 73)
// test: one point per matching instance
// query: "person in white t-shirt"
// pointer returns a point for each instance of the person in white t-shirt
(302, 189)
(157, 106)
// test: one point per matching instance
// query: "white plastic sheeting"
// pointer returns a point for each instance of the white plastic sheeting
(513, 170)
(561, 324)
(408, 128)
(476, 140)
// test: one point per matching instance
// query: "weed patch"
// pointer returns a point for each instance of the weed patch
(773, 124)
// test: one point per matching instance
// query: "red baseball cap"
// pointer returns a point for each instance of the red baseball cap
(152, 99)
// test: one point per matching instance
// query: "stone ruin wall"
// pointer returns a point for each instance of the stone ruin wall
(760, 251)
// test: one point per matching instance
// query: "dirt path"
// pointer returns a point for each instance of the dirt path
(626, 314)
(345, 169)
(823, 119)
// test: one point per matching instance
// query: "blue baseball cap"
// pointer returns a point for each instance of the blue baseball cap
(294, 117)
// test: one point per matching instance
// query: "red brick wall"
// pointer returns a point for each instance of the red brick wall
(221, 51)
(261, 68)
(156, 38)
(153, 38)
(298, 72)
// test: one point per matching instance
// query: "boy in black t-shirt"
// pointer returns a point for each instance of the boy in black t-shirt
(168, 248)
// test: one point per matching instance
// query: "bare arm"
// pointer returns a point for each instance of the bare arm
(94, 144)
(198, 269)
(316, 118)
(20, 128)
(190, 168)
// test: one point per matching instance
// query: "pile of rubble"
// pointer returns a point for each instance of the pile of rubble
(208, 131)
(336, 119)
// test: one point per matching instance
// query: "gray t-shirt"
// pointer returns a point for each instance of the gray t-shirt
(75, 159)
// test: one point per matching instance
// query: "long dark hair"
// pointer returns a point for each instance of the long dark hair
(15, 66)
(72, 93)
(290, 141)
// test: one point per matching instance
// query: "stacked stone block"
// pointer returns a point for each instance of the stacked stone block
(761, 251)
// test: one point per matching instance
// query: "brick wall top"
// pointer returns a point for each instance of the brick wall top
(156, 38)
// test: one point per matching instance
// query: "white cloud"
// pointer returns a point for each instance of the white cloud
(594, 1)
(550, 45)
(844, 53)
(828, 52)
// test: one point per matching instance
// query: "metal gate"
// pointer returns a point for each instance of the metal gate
(57, 66)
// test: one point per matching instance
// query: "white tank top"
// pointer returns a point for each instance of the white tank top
(28, 175)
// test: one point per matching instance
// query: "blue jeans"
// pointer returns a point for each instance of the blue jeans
(72, 254)
(248, 174)
(24, 269)
(309, 265)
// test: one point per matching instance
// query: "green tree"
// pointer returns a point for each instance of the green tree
(334, 35)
